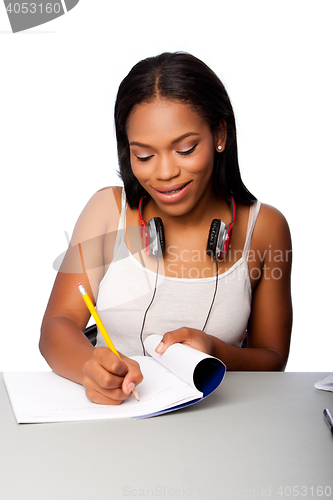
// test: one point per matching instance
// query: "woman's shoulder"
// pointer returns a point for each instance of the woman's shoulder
(270, 216)
(101, 213)
(272, 228)
(107, 194)
(106, 200)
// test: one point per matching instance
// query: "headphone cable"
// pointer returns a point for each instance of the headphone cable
(211, 306)
(151, 301)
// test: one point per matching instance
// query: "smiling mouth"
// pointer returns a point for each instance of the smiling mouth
(174, 190)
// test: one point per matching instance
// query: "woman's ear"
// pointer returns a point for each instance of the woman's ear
(220, 136)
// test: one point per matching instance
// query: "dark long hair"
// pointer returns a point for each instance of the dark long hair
(183, 77)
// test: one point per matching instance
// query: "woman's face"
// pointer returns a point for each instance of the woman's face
(172, 154)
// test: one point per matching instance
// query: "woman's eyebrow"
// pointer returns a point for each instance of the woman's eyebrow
(178, 139)
(188, 134)
(135, 143)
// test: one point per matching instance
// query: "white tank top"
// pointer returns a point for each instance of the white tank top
(127, 289)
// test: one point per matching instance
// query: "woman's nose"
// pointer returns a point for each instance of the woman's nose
(166, 168)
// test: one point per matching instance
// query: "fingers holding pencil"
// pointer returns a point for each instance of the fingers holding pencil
(108, 379)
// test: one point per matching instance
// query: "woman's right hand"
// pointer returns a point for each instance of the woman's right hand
(109, 380)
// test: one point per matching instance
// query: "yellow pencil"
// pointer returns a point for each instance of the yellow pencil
(100, 326)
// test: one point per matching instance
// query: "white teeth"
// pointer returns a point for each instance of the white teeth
(175, 190)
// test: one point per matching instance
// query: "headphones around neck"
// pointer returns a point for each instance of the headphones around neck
(152, 233)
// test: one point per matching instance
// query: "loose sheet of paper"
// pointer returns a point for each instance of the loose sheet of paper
(326, 384)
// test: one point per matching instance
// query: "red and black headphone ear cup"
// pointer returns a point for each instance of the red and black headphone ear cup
(160, 233)
(212, 237)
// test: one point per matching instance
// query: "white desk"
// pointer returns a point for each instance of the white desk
(260, 435)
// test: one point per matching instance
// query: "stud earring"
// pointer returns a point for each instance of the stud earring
(219, 148)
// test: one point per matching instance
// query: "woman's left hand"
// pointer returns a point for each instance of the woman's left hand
(188, 336)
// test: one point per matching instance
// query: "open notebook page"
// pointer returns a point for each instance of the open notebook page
(47, 397)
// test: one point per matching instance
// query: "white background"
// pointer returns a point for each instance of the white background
(57, 90)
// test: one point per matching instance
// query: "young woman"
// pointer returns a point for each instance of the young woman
(184, 250)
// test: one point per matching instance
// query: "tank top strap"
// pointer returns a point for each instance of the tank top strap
(253, 214)
(122, 221)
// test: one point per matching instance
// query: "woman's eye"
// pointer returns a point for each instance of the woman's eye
(189, 151)
(144, 158)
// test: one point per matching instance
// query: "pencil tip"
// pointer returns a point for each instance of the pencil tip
(135, 394)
